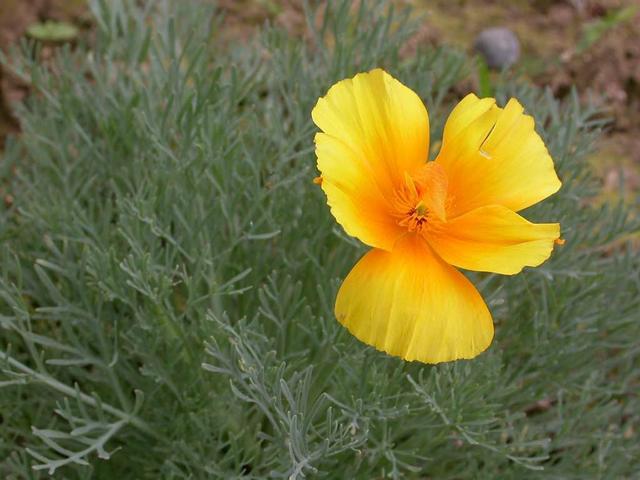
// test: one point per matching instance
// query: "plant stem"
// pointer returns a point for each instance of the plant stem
(72, 392)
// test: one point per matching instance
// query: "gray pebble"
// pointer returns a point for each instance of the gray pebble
(499, 46)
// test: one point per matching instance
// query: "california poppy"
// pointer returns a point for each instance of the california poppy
(424, 218)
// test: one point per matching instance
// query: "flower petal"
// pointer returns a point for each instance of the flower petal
(494, 156)
(374, 131)
(354, 198)
(411, 304)
(494, 239)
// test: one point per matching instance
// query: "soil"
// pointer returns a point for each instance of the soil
(551, 32)
(15, 17)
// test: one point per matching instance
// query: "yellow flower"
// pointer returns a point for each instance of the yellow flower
(423, 218)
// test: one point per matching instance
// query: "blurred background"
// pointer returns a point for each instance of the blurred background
(592, 45)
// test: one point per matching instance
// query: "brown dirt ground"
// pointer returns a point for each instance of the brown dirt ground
(549, 30)
(15, 17)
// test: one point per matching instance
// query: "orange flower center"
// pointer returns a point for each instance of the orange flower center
(420, 200)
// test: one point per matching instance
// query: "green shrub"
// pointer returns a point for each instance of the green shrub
(169, 271)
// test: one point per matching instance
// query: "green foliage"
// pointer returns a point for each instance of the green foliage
(484, 78)
(169, 271)
(52, 31)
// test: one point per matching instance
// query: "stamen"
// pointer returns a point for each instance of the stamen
(415, 202)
